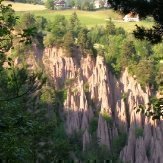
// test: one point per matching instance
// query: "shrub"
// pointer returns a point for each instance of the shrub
(138, 132)
(93, 125)
(107, 118)
(86, 87)
(95, 152)
(117, 144)
(145, 72)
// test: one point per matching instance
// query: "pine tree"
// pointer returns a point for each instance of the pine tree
(110, 28)
(74, 24)
(68, 43)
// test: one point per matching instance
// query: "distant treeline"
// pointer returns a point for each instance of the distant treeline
(29, 1)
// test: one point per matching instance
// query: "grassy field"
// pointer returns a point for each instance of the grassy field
(88, 18)
(24, 7)
(92, 18)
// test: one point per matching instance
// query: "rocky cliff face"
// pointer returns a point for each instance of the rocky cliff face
(92, 91)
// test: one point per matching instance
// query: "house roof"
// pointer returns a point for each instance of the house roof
(131, 15)
(60, 2)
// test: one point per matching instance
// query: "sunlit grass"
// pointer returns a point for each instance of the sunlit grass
(87, 18)
(130, 26)
(24, 7)
(92, 18)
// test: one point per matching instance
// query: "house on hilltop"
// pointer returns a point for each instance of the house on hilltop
(60, 4)
(131, 17)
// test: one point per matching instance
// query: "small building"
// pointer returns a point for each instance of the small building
(131, 17)
(101, 3)
(60, 4)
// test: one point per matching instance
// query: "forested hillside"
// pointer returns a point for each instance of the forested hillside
(69, 92)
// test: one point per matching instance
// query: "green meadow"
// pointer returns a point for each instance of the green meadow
(92, 18)
(88, 18)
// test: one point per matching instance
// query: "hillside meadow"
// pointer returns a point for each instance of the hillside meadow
(88, 18)
(24, 7)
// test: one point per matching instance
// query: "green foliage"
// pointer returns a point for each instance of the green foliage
(27, 20)
(40, 22)
(96, 33)
(49, 4)
(86, 87)
(99, 153)
(143, 49)
(95, 152)
(24, 130)
(74, 24)
(57, 29)
(110, 28)
(93, 125)
(145, 72)
(107, 117)
(110, 39)
(117, 145)
(60, 97)
(154, 109)
(100, 50)
(158, 51)
(36, 26)
(120, 31)
(47, 95)
(138, 132)
(61, 31)
(143, 8)
(87, 5)
(85, 43)
(28, 113)
(76, 142)
(128, 53)
(62, 143)
(112, 55)
(68, 43)
(72, 3)
(159, 77)
(7, 21)
(25, 135)
(49, 40)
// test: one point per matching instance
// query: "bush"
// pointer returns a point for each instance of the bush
(117, 145)
(95, 152)
(145, 72)
(93, 125)
(68, 43)
(107, 118)
(138, 132)
(49, 4)
(86, 87)
(76, 141)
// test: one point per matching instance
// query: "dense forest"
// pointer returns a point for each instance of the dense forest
(32, 125)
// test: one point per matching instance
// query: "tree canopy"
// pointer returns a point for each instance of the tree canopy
(144, 8)
(30, 129)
